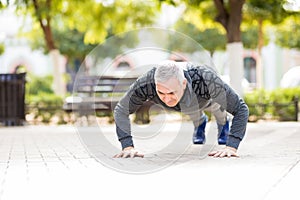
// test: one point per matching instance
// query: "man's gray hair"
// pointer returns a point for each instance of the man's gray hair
(167, 70)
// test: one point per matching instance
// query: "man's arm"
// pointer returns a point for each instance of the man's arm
(129, 152)
(229, 100)
(129, 103)
(137, 94)
(238, 108)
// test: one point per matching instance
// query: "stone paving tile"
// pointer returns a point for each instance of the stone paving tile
(52, 163)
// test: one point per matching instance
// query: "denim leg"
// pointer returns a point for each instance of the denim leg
(222, 122)
(199, 132)
(223, 131)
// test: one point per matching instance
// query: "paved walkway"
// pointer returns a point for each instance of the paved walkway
(56, 162)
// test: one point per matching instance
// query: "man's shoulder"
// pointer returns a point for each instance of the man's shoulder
(200, 70)
(193, 67)
(195, 70)
(147, 77)
(145, 85)
(146, 80)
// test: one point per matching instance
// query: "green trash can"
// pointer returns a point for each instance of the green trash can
(12, 99)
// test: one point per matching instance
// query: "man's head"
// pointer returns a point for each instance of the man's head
(170, 82)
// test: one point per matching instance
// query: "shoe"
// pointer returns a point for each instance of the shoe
(199, 133)
(223, 132)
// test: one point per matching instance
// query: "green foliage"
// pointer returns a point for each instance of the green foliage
(204, 38)
(45, 106)
(212, 40)
(250, 37)
(42, 104)
(78, 26)
(284, 38)
(2, 49)
(37, 85)
(68, 39)
(254, 11)
(284, 95)
(281, 99)
(255, 101)
(278, 103)
(3, 5)
(258, 15)
(113, 46)
(270, 10)
(98, 20)
(45, 100)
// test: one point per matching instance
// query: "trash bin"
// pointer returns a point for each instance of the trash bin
(12, 99)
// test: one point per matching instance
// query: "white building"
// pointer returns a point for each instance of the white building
(276, 62)
(17, 51)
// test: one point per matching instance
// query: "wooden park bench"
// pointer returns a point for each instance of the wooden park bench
(100, 94)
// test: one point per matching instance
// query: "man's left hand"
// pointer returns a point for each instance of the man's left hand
(129, 152)
(225, 152)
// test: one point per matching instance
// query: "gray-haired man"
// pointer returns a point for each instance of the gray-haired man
(191, 91)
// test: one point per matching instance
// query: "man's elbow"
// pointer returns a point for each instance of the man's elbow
(116, 111)
(120, 111)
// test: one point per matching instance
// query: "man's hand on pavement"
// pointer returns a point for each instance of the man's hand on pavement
(129, 152)
(225, 152)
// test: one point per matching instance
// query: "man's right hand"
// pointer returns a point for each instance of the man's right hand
(129, 152)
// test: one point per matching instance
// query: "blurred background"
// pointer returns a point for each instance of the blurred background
(255, 46)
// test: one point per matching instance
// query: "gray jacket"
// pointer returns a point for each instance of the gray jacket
(204, 87)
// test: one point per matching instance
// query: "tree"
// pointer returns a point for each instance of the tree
(284, 38)
(229, 15)
(259, 13)
(95, 19)
(254, 13)
(43, 12)
(203, 37)
(2, 49)
(250, 37)
(2, 6)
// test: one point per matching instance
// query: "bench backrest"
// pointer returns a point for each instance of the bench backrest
(102, 85)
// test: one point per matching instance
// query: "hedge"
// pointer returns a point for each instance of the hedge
(278, 104)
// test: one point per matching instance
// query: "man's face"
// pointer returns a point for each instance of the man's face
(170, 92)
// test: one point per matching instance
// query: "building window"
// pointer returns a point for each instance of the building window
(123, 65)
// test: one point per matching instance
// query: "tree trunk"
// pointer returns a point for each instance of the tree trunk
(45, 23)
(230, 18)
(235, 61)
(259, 66)
(58, 63)
(59, 85)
